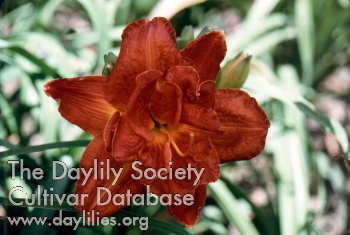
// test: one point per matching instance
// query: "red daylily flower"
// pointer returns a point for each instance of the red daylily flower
(159, 105)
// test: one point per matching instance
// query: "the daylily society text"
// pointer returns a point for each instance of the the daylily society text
(102, 171)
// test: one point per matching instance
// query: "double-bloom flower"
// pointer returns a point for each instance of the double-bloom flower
(160, 105)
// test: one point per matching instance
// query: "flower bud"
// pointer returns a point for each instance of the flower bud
(235, 72)
(205, 30)
(110, 60)
(186, 36)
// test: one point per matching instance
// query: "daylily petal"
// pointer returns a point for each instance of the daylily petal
(245, 126)
(109, 130)
(202, 155)
(138, 112)
(211, 164)
(166, 103)
(145, 45)
(189, 215)
(181, 136)
(125, 144)
(199, 116)
(93, 154)
(186, 77)
(174, 186)
(156, 155)
(207, 52)
(206, 97)
(82, 101)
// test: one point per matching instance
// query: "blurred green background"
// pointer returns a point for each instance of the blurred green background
(299, 73)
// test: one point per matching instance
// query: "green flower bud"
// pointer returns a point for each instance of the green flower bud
(110, 60)
(205, 30)
(235, 72)
(186, 36)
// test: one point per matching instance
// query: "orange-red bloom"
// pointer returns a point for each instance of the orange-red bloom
(159, 105)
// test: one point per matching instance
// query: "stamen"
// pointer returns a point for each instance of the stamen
(188, 149)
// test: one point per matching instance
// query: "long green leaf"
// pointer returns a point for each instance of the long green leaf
(292, 169)
(265, 224)
(101, 14)
(251, 30)
(56, 54)
(262, 84)
(38, 148)
(270, 40)
(168, 9)
(8, 115)
(231, 208)
(34, 59)
(261, 9)
(306, 43)
(7, 144)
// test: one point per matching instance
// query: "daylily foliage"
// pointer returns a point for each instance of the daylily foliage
(158, 105)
